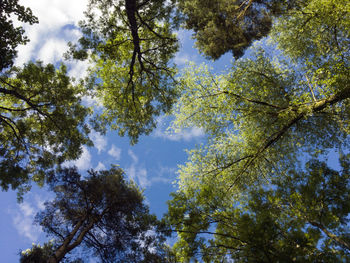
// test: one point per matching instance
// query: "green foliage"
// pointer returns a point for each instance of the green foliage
(264, 115)
(241, 196)
(300, 217)
(231, 25)
(259, 117)
(11, 36)
(37, 254)
(42, 123)
(130, 44)
(322, 30)
(104, 215)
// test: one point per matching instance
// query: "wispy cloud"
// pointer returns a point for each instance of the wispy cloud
(182, 59)
(164, 175)
(115, 152)
(84, 162)
(100, 142)
(133, 156)
(23, 217)
(136, 172)
(100, 166)
(184, 135)
(139, 173)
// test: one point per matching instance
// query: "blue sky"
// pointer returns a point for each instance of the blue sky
(152, 163)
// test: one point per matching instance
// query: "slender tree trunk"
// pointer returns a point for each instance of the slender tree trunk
(331, 235)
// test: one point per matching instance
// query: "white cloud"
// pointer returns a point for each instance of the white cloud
(52, 50)
(115, 152)
(100, 142)
(164, 174)
(136, 172)
(161, 180)
(92, 101)
(184, 35)
(22, 220)
(78, 69)
(57, 13)
(72, 33)
(133, 156)
(100, 167)
(185, 134)
(139, 175)
(40, 203)
(181, 59)
(58, 21)
(84, 162)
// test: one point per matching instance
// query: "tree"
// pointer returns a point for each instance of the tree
(102, 213)
(268, 112)
(231, 25)
(302, 217)
(130, 43)
(11, 36)
(42, 123)
(37, 254)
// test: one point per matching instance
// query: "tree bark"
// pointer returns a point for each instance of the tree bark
(331, 235)
(62, 250)
(66, 247)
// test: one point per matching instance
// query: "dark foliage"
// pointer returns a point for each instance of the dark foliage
(11, 36)
(230, 25)
(104, 215)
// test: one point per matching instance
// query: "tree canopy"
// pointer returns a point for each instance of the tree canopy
(231, 25)
(102, 213)
(266, 110)
(42, 122)
(131, 44)
(243, 195)
(301, 217)
(11, 36)
(263, 116)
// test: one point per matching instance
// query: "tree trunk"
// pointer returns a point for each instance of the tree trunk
(66, 246)
(331, 235)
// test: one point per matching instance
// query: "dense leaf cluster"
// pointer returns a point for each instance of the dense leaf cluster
(221, 26)
(262, 117)
(11, 36)
(301, 217)
(131, 44)
(42, 122)
(102, 213)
